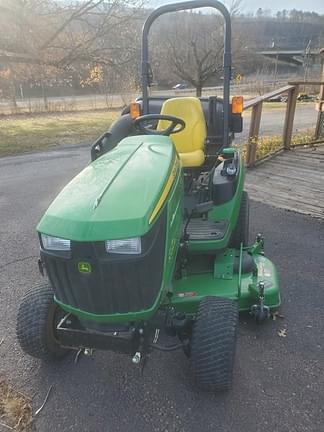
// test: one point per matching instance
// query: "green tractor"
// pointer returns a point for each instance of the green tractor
(152, 237)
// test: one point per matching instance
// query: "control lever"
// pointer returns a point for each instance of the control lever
(201, 209)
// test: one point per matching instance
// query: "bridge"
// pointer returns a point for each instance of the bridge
(294, 57)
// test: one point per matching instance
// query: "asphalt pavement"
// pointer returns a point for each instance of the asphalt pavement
(278, 381)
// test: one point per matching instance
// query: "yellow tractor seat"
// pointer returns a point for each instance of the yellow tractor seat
(190, 142)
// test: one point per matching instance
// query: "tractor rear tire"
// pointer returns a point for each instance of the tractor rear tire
(37, 317)
(213, 344)
(241, 231)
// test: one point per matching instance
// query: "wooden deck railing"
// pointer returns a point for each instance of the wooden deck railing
(256, 104)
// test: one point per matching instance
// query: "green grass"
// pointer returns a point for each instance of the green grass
(40, 132)
(272, 106)
(22, 134)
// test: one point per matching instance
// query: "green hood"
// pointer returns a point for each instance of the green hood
(115, 195)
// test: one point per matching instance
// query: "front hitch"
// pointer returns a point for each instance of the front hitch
(260, 311)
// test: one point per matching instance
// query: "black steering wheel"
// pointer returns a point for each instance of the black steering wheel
(177, 124)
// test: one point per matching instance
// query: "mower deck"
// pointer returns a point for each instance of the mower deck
(226, 281)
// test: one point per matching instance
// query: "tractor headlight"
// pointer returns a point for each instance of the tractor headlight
(55, 243)
(131, 246)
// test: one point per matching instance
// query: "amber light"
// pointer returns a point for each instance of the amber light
(237, 104)
(134, 110)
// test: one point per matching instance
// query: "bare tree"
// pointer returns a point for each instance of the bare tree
(235, 7)
(56, 37)
(194, 47)
(189, 47)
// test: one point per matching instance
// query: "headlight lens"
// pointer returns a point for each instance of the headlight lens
(55, 243)
(130, 246)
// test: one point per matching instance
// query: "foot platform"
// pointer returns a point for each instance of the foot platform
(200, 229)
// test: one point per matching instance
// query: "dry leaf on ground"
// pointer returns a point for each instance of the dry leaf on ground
(15, 409)
(282, 333)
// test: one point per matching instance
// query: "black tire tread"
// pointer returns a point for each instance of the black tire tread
(213, 343)
(32, 321)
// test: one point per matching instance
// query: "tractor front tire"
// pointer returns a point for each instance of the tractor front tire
(241, 231)
(37, 317)
(213, 344)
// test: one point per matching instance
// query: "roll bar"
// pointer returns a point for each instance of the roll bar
(174, 7)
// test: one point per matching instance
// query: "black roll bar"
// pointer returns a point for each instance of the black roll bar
(174, 7)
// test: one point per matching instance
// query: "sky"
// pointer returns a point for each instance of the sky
(275, 5)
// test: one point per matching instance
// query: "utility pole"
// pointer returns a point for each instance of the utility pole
(273, 45)
(276, 71)
(306, 61)
(319, 130)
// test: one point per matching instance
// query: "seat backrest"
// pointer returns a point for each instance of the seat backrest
(189, 109)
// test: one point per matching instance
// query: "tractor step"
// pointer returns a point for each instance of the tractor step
(200, 229)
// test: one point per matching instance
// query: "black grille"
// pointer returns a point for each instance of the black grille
(117, 283)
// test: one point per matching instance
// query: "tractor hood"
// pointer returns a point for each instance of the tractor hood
(116, 196)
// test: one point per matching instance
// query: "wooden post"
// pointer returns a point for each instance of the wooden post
(290, 115)
(254, 134)
(321, 99)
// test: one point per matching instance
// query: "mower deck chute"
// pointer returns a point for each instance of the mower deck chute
(153, 236)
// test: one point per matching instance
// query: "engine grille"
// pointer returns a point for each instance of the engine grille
(117, 283)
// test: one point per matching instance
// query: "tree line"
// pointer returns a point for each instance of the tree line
(94, 45)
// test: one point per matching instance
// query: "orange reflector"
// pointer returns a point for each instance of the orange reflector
(134, 110)
(237, 104)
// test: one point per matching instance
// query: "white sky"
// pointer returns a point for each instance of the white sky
(275, 5)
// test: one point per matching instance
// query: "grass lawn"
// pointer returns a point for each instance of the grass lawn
(24, 133)
(270, 106)
(21, 134)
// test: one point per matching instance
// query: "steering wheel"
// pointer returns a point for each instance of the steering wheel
(177, 124)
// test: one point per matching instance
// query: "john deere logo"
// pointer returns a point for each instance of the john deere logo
(84, 267)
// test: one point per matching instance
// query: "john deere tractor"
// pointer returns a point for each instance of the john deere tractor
(152, 237)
